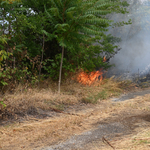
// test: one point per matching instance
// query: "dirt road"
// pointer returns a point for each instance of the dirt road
(119, 123)
(113, 132)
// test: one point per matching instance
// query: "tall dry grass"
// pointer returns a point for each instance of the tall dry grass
(45, 96)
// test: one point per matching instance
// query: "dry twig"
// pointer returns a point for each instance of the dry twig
(104, 140)
(58, 111)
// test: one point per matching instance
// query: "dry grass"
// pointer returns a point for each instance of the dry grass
(129, 111)
(32, 99)
(137, 141)
(22, 135)
(43, 132)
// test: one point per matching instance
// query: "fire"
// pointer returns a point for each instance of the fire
(104, 59)
(89, 78)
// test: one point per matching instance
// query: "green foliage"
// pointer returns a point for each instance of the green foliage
(2, 103)
(94, 98)
(84, 23)
(16, 75)
(3, 54)
(25, 72)
(79, 26)
(52, 67)
(3, 40)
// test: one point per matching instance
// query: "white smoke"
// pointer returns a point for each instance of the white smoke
(143, 1)
(135, 53)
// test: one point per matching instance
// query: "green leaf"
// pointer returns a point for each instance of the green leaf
(4, 83)
(2, 103)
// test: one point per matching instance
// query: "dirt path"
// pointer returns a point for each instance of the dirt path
(110, 129)
(122, 123)
(132, 95)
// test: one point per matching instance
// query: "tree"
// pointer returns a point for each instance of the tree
(76, 29)
(76, 21)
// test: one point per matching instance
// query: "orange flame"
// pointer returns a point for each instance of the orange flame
(104, 59)
(89, 78)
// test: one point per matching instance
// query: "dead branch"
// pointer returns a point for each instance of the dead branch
(104, 140)
(59, 111)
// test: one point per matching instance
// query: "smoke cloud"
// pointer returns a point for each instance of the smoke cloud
(135, 45)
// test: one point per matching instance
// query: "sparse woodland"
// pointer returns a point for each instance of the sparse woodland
(55, 38)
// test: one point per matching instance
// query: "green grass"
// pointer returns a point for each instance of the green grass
(94, 98)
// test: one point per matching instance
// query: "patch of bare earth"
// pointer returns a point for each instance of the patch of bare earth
(134, 114)
(74, 116)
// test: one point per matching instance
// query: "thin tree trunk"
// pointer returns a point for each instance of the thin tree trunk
(14, 62)
(42, 56)
(60, 69)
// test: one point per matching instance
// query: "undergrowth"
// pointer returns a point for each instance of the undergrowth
(23, 86)
(44, 96)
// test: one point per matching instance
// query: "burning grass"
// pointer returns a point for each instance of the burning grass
(86, 78)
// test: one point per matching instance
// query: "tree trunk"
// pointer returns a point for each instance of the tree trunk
(41, 58)
(14, 62)
(60, 69)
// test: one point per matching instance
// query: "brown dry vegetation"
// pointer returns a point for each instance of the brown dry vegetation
(33, 132)
(135, 115)
(31, 100)
(138, 141)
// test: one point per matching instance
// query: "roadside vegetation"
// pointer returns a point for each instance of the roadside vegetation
(47, 39)
(30, 101)
(41, 132)
(42, 41)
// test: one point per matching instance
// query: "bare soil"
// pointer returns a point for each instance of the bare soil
(126, 128)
